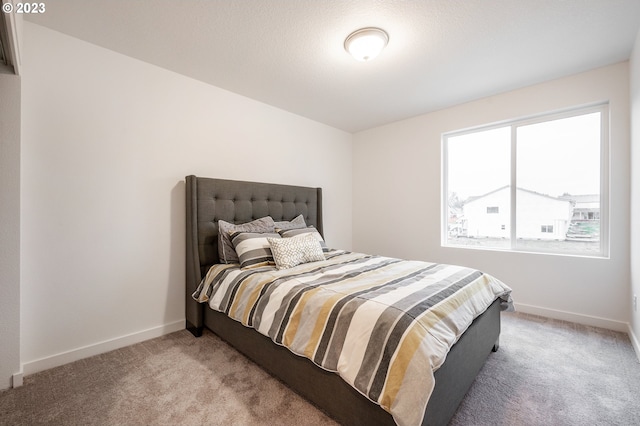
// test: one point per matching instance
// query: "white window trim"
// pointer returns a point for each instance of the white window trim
(603, 108)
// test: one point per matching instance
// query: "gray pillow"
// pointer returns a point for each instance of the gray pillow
(226, 251)
(254, 249)
(309, 230)
(296, 223)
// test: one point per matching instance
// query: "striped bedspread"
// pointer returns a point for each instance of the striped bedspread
(383, 324)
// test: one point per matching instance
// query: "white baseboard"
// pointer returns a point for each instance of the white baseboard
(98, 348)
(573, 317)
(17, 379)
(634, 342)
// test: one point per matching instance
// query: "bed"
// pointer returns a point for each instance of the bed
(209, 201)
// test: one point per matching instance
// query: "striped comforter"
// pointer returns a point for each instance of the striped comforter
(384, 325)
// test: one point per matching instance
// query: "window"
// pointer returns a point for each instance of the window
(536, 184)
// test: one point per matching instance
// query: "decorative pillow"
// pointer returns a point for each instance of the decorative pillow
(290, 252)
(296, 223)
(226, 252)
(253, 248)
(309, 230)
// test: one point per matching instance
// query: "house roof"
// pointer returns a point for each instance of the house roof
(475, 198)
(584, 198)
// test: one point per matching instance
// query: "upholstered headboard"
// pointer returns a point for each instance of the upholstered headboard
(209, 200)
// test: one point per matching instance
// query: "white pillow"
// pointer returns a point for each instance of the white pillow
(290, 252)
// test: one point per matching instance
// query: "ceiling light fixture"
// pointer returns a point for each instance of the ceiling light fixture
(366, 43)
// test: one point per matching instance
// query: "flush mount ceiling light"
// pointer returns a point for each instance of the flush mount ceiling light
(366, 43)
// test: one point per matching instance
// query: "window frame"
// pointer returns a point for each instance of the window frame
(603, 109)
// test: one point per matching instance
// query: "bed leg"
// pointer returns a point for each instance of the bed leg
(196, 331)
(496, 345)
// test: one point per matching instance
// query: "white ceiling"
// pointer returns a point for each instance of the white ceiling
(289, 53)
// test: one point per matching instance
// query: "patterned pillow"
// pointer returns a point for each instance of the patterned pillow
(253, 248)
(226, 252)
(294, 251)
(310, 230)
(295, 223)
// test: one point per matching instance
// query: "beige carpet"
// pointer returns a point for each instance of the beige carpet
(172, 380)
(545, 373)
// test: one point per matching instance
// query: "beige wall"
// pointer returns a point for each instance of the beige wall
(634, 66)
(9, 226)
(107, 143)
(397, 193)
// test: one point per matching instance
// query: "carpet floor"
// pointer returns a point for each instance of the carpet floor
(546, 372)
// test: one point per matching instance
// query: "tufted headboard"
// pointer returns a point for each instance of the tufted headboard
(209, 200)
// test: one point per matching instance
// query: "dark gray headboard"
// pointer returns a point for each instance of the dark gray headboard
(209, 200)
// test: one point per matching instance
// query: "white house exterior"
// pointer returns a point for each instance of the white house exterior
(539, 216)
(585, 207)
(585, 223)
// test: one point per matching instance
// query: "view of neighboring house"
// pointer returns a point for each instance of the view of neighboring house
(539, 216)
(585, 221)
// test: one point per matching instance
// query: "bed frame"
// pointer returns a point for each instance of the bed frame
(207, 201)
